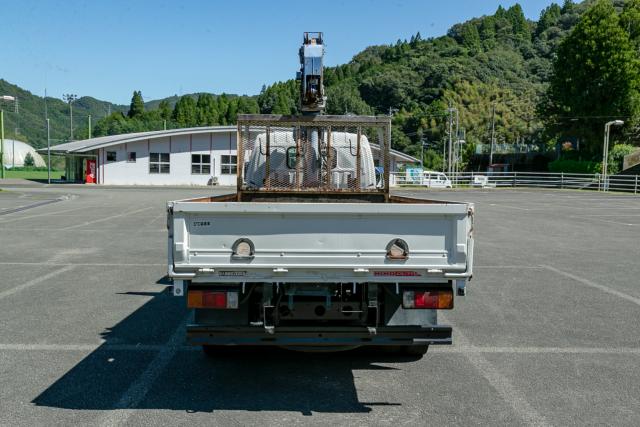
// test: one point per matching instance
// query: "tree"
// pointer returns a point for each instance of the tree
(630, 21)
(344, 98)
(28, 160)
(165, 110)
(207, 110)
(136, 109)
(548, 18)
(470, 37)
(596, 74)
(185, 113)
(519, 24)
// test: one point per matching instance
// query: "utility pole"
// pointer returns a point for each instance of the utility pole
(46, 118)
(450, 156)
(89, 126)
(7, 98)
(48, 153)
(455, 155)
(493, 132)
(444, 155)
(70, 97)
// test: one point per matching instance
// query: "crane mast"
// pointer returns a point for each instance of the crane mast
(312, 96)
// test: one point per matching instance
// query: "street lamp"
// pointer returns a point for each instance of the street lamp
(70, 97)
(605, 154)
(5, 98)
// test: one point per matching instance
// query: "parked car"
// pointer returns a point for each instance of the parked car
(435, 180)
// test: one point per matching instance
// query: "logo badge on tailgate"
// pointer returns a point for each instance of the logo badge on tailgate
(232, 273)
(397, 273)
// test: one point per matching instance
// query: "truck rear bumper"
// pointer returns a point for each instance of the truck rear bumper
(326, 336)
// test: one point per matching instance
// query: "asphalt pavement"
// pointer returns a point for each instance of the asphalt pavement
(90, 334)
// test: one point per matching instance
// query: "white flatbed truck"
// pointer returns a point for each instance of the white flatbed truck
(311, 257)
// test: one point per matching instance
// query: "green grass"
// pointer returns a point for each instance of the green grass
(31, 174)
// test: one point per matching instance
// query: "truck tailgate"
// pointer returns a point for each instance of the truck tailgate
(297, 241)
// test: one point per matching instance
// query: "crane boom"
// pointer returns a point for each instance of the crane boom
(312, 96)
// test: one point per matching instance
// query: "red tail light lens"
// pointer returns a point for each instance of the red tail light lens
(439, 299)
(212, 299)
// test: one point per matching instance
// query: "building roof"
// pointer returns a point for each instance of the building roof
(87, 145)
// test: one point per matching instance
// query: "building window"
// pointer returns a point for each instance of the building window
(111, 156)
(131, 157)
(201, 164)
(228, 165)
(159, 163)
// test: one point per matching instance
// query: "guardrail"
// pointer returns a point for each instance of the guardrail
(578, 181)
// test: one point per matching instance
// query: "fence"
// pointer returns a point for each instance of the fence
(577, 181)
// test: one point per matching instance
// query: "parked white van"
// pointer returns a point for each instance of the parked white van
(429, 179)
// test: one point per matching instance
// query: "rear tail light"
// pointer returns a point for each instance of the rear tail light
(441, 299)
(212, 299)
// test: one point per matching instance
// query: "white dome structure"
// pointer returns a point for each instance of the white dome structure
(21, 151)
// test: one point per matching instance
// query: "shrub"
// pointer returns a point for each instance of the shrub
(616, 157)
(28, 160)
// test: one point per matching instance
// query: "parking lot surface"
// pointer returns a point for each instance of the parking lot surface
(548, 334)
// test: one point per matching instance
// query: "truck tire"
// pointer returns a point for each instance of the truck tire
(415, 350)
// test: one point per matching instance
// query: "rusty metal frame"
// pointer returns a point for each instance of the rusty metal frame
(379, 124)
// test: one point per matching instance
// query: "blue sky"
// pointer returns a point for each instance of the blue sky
(107, 49)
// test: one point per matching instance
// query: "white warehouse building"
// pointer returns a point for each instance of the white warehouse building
(192, 156)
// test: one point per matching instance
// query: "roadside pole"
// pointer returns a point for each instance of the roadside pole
(48, 154)
(493, 132)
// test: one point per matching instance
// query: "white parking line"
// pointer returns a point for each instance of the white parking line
(88, 264)
(605, 220)
(88, 347)
(509, 207)
(456, 349)
(535, 350)
(20, 218)
(107, 218)
(140, 387)
(595, 285)
(500, 383)
(519, 267)
(89, 230)
(35, 281)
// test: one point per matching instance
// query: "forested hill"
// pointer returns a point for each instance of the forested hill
(502, 60)
(29, 123)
